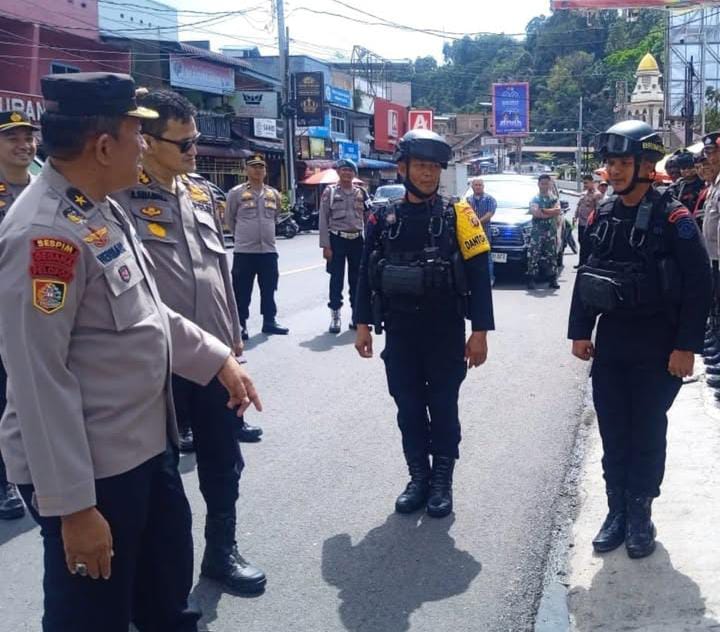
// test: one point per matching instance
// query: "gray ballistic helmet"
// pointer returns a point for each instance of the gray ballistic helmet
(423, 145)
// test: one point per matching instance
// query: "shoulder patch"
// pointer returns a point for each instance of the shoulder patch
(678, 214)
(52, 259)
(48, 295)
(471, 237)
(686, 227)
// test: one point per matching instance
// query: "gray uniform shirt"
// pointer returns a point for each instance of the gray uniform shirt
(341, 210)
(88, 346)
(711, 221)
(251, 216)
(181, 231)
(9, 193)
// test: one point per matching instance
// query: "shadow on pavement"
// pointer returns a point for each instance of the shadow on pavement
(255, 341)
(394, 570)
(10, 529)
(639, 595)
(326, 342)
(206, 595)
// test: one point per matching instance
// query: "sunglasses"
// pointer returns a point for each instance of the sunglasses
(183, 145)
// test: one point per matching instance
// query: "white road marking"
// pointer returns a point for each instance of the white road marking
(305, 269)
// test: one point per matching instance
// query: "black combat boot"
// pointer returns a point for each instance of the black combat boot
(612, 532)
(243, 330)
(416, 492)
(440, 502)
(245, 433)
(640, 537)
(223, 562)
(273, 327)
(553, 284)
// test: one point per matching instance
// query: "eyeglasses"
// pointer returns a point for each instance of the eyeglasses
(183, 145)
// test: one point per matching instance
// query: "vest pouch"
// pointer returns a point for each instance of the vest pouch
(604, 291)
(407, 280)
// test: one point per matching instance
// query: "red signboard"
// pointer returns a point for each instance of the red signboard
(557, 5)
(390, 124)
(420, 119)
(31, 104)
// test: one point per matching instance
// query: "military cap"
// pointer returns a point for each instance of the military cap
(12, 119)
(255, 159)
(92, 94)
(711, 139)
(346, 162)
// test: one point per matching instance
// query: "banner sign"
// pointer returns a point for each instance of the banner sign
(349, 150)
(309, 98)
(255, 104)
(511, 109)
(196, 74)
(265, 128)
(30, 104)
(338, 96)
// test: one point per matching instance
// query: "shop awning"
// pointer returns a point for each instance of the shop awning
(223, 151)
(266, 146)
(364, 163)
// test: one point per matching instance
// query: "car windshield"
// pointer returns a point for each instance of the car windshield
(390, 191)
(511, 193)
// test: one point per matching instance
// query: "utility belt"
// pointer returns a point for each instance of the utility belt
(607, 287)
(346, 235)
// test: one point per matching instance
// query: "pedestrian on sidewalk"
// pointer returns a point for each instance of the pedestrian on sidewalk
(17, 151)
(648, 281)
(251, 213)
(587, 204)
(89, 433)
(484, 206)
(341, 222)
(176, 219)
(542, 253)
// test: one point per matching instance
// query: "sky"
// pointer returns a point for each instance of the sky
(315, 33)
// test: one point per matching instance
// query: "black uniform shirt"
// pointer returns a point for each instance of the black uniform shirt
(413, 237)
(653, 333)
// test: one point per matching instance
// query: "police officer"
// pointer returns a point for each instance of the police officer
(542, 254)
(648, 280)
(252, 210)
(687, 188)
(424, 269)
(17, 150)
(89, 432)
(177, 221)
(341, 221)
(672, 168)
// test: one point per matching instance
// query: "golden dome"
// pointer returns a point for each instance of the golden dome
(648, 64)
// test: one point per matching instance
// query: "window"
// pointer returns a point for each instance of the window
(337, 121)
(58, 68)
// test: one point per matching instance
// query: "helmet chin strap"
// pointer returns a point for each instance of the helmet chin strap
(417, 192)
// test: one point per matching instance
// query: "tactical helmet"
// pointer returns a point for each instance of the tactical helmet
(685, 160)
(346, 162)
(630, 138)
(423, 145)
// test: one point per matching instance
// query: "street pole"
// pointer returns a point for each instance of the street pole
(287, 111)
(578, 154)
(702, 74)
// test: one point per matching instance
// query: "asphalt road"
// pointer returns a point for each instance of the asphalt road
(316, 507)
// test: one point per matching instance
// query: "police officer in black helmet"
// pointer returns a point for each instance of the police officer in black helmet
(424, 269)
(648, 281)
(687, 188)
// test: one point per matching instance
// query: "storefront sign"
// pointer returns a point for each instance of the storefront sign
(390, 124)
(511, 109)
(338, 96)
(349, 150)
(265, 128)
(30, 104)
(317, 148)
(196, 74)
(309, 98)
(420, 119)
(254, 104)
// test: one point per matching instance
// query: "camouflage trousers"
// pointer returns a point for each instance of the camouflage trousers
(542, 254)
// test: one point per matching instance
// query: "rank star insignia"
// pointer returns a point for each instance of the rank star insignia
(157, 229)
(151, 211)
(77, 197)
(144, 178)
(15, 117)
(97, 237)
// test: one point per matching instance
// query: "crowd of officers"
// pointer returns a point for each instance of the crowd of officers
(123, 326)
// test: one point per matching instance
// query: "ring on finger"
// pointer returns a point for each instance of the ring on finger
(81, 569)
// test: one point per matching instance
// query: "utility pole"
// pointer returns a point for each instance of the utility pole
(579, 152)
(689, 109)
(287, 107)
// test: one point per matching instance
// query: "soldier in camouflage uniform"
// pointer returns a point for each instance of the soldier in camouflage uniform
(545, 209)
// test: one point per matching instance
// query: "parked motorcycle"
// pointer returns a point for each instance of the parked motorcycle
(305, 218)
(286, 225)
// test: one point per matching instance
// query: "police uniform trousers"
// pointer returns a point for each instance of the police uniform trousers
(424, 359)
(152, 566)
(246, 266)
(632, 392)
(219, 460)
(344, 250)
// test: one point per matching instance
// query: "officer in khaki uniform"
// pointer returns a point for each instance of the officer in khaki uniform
(17, 150)
(341, 222)
(176, 219)
(251, 215)
(89, 432)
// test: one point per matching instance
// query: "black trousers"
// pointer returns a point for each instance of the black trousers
(219, 461)
(583, 243)
(425, 365)
(631, 400)
(246, 266)
(344, 250)
(152, 569)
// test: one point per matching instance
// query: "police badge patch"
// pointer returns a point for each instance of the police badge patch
(49, 296)
(125, 273)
